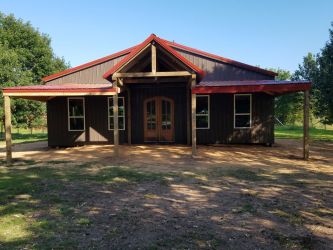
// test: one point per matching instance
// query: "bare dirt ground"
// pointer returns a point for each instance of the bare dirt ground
(152, 197)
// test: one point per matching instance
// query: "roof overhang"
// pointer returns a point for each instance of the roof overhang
(46, 92)
(267, 86)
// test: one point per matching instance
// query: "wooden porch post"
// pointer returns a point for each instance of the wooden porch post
(8, 129)
(188, 112)
(194, 120)
(115, 122)
(306, 116)
(129, 119)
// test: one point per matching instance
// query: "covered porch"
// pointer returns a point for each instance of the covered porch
(155, 66)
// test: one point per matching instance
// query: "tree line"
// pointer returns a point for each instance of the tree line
(317, 68)
(26, 56)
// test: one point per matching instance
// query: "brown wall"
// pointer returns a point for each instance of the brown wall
(90, 75)
(217, 70)
(221, 118)
(96, 123)
(222, 121)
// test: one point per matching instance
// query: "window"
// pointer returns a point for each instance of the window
(76, 118)
(202, 112)
(121, 113)
(242, 110)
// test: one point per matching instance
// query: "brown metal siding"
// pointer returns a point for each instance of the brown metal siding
(177, 92)
(96, 123)
(222, 120)
(217, 70)
(90, 75)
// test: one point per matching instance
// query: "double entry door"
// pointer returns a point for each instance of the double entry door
(158, 119)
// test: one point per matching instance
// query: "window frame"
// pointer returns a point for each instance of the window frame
(69, 116)
(235, 114)
(122, 116)
(196, 115)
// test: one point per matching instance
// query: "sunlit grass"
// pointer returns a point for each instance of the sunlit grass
(291, 132)
(14, 227)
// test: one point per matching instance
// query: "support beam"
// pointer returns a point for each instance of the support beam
(153, 58)
(194, 119)
(129, 119)
(188, 112)
(194, 127)
(151, 74)
(306, 117)
(8, 129)
(115, 124)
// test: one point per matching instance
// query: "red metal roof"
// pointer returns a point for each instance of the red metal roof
(271, 86)
(167, 44)
(138, 48)
(60, 88)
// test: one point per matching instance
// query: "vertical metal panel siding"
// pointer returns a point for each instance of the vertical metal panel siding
(216, 70)
(96, 123)
(222, 119)
(90, 75)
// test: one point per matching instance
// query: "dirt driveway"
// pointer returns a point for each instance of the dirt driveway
(152, 197)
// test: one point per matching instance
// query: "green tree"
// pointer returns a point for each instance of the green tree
(325, 81)
(287, 107)
(25, 57)
(308, 70)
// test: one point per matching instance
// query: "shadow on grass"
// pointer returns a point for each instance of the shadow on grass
(58, 204)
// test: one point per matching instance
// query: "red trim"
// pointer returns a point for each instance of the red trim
(87, 65)
(277, 89)
(220, 58)
(135, 51)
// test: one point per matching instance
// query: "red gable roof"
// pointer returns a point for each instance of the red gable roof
(164, 45)
(169, 47)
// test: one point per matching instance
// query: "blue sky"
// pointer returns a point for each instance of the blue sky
(264, 33)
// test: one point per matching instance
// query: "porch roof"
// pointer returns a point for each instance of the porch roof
(269, 86)
(45, 92)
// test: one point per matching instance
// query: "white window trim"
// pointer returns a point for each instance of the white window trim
(242, 113)
(84, 114)
(123, 116)
(204, 114)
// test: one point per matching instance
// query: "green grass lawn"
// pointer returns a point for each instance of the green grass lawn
(291, 132)
(68, 205)
(25, 136)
